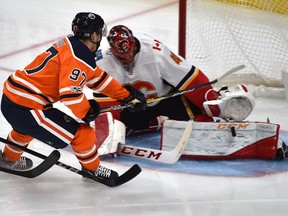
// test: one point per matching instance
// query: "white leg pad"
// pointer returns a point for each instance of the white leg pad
(109, 133)
(224, 140)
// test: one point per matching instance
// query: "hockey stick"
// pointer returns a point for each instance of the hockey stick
(38, 170)
(177, 93)
(127, 176)
(168, 157)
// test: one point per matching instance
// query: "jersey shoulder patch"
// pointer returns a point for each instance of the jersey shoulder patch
(99, 55)
(157, 45)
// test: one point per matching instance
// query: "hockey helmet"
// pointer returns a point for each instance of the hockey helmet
(122, 43)
(85, 23)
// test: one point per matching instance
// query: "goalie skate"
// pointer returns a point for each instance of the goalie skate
(282, 151)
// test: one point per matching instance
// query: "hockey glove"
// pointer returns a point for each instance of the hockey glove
(236, 104)
(93, 112)
(136, 98)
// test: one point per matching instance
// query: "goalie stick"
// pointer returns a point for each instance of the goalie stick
(38, 170)
(168, 157)
(177, 93)
(127, 176)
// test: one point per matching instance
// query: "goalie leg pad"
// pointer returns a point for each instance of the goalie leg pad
(109, 132)
(212, 140)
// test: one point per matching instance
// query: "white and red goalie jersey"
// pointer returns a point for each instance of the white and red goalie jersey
(156, 70)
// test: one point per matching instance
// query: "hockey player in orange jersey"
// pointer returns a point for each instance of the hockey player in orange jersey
(59, 74)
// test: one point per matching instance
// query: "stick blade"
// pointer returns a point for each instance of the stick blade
(38, 170)
(46, 164)
(130, 174)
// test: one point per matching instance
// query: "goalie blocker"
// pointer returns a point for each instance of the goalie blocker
(208, 140)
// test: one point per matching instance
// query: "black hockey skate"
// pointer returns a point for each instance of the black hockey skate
(282, 152)
(100, 173)
(20, 165)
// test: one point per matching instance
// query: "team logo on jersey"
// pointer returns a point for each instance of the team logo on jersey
(76, 89)
(67, 118)
(157, 45)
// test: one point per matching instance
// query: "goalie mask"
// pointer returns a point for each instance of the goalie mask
(122, 43)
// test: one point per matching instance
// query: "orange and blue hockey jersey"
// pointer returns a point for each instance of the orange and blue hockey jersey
(59, 74)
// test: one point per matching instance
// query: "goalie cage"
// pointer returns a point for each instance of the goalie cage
(216, 35)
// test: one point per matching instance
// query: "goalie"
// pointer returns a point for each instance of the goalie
(155, 70)
(152, 68)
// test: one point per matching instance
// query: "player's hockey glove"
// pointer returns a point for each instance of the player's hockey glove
(136, 98)
(93, 112)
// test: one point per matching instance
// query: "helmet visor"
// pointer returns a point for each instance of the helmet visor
(104, 30)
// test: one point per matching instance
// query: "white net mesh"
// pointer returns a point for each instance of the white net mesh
(222, 34)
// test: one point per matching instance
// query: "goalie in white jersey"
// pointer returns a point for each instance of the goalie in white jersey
(155, 70)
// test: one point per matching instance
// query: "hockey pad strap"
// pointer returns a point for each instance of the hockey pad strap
(225, 140)
(236, 105)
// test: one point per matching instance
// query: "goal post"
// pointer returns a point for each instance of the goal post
(216, 35)
(182, 28)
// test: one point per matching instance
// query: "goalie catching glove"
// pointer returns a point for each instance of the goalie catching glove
(136, 99)
(236, 105)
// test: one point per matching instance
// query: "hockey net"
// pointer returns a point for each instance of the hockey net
(221, 34)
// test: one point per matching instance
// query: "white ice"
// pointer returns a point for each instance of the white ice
(27, 28)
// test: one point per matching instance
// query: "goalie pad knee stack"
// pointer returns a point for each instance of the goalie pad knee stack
(236, 105)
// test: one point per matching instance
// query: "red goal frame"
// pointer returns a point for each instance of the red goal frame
(182, 28)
